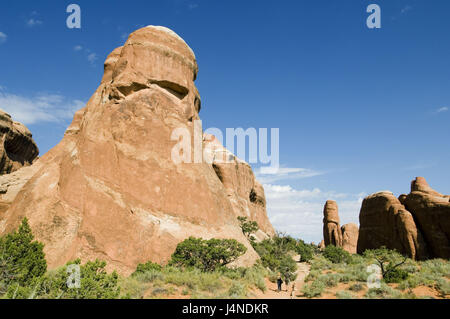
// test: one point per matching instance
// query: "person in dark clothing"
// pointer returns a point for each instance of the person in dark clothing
(279, 282)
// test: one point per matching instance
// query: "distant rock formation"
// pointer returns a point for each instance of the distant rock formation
(110, 189)
(350, 233)
(345, 237)
(332, 234)
(17, 148)
(417, 225)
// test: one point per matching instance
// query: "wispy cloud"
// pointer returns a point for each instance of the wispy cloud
(419, 166)
(193, 6)
(268, 175)
(42, 107)
(32, 22)
(442, 110)
(3, 37)
(406, 9)
(92, 57)
(299, 212)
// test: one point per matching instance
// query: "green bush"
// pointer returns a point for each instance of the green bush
(237, 290)
(344, 295)
(395, 275)
(287, 269)
(206, 255)
(95, 283)
(314, 289)
(337, 255)
(356, 287)
(147, 267)
(306, 251)
(248, 227)
(21, 258)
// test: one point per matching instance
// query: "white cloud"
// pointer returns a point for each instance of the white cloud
(406, 9)
(300, 212)
(442, 109)
(268, 175)
(33, 22)
(3, 37)
(40, 108)
(78, 48)
(92, 57)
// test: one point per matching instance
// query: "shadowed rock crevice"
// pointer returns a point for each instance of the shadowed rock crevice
(17, 148)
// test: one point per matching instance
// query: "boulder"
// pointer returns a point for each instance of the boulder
(111, 190)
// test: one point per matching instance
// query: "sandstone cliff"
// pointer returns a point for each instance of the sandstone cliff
(110, 189)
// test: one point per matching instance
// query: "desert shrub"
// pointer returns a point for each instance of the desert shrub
(337, 255)
(356, 287)
(314, 289)
(344, 295)
(306, 251)
(237, 290)
(131, 287)
(148, 266)
(443, 286)
(95, 283)
(287, 269)
(206, 255)
(395, 275)
(248, 227)
(389, 262)
(330, 280)
(21, 258)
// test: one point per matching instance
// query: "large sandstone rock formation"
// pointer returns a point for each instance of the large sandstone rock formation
(332, 234)
(384, 221)
(417, 225)
(17, 148)
(431, 212)
(345, 237)
(110, 188)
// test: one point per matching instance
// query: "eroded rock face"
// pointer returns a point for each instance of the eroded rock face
(110, 189)
(245, 193)
(332, 234)
(350, 237)
(431, 211)
(384, 221)
(17, 147)
(345, 237)
(417, 225)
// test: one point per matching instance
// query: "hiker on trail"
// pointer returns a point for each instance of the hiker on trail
(279, 282)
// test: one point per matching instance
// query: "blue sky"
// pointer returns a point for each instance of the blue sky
(359, 110)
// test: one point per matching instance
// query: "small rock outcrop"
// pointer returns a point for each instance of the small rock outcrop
(416, 225)
(17, 147)
(111, 190)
